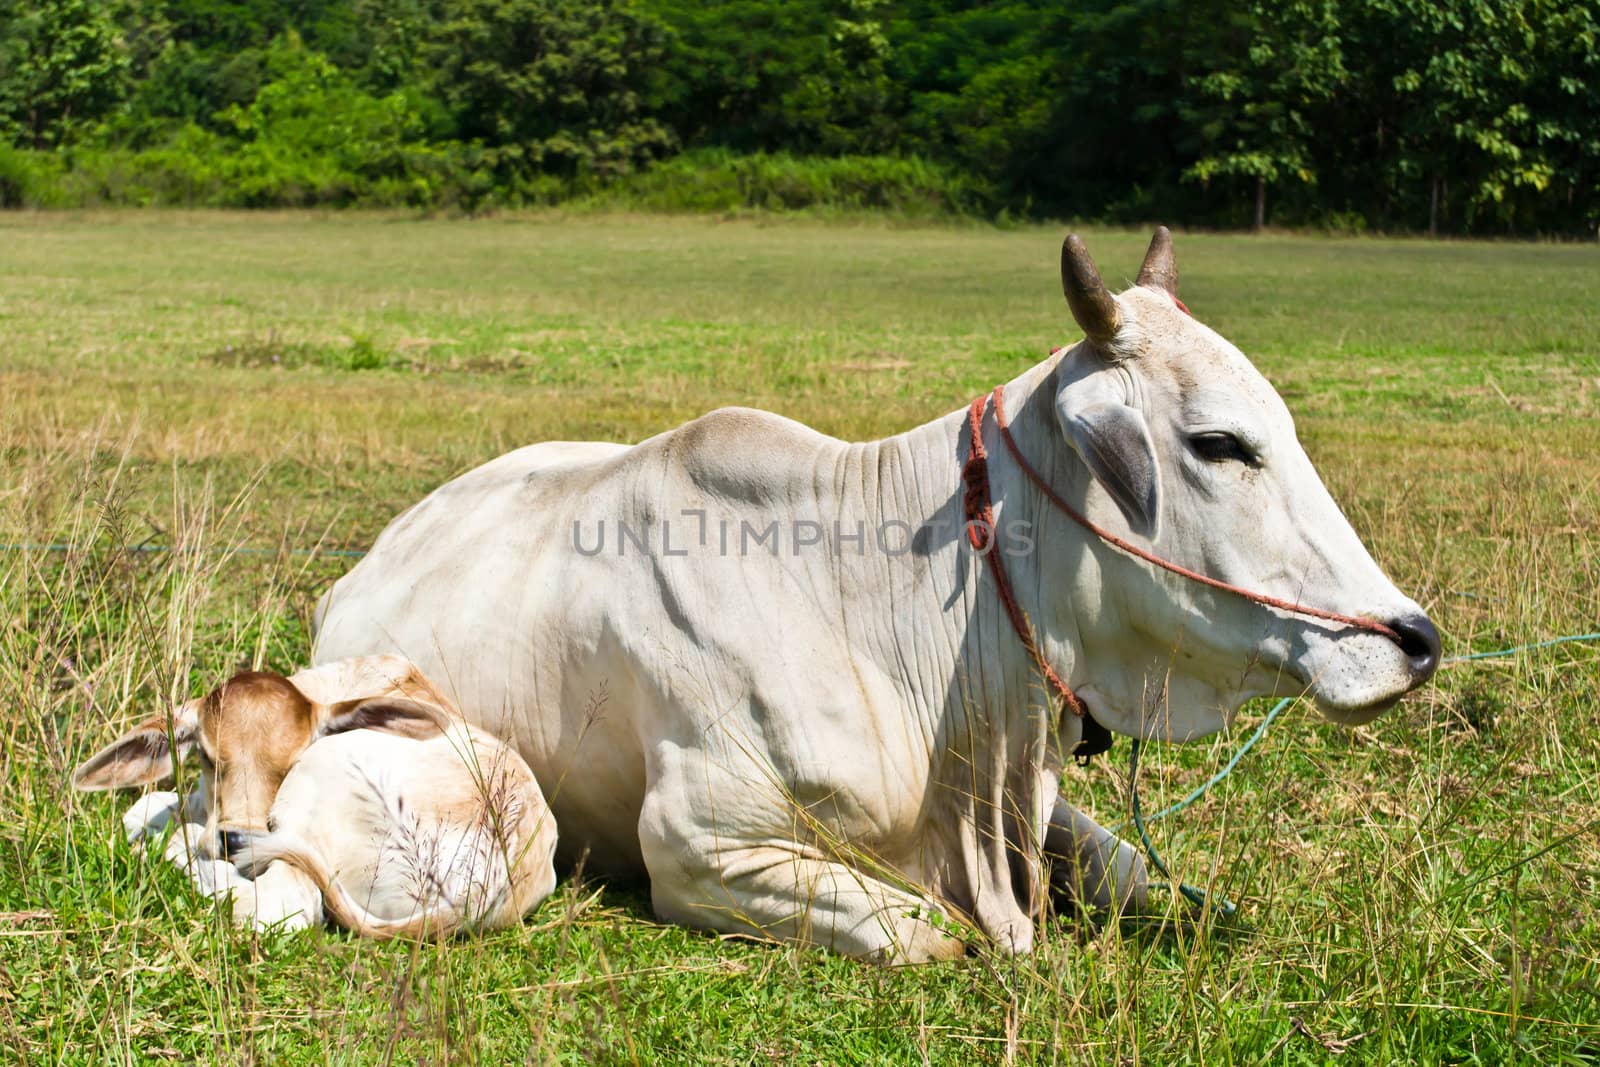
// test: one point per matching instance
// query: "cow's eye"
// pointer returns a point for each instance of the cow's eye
(1219, 447)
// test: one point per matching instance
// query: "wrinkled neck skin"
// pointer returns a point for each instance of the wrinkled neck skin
(1129, 639)
(993, 732)
(956, 657)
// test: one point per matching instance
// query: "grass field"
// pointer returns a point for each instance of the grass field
(1425, 889)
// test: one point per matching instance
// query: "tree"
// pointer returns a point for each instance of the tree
(980, 87)
(62, 68)
(1116, 131)
(844, 103)
(1563, 96)
(734, 68)
(552, 86)
(1468, 110)
(312, 135)
(1256, 114)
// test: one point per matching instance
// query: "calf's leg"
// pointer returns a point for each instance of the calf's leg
(211, 877)
(281, 896)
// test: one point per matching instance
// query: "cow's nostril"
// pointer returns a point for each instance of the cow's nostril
(1420, 642)
(233, 842)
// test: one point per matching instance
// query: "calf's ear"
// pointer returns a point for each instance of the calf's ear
(1114, 442)
(148, 753)
(395, 715)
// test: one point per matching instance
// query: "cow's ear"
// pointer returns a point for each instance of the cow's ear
(147, 754)
(395, 715)
(1114, 441)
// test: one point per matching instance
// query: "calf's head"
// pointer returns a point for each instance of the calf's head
(247, 734)
(1190, 450)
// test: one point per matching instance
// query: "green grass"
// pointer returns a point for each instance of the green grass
(1427, 887)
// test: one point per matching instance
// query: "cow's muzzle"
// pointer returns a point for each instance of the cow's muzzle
(230, 843)
(1419, 640)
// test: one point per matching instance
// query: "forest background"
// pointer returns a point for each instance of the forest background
(1442, 116)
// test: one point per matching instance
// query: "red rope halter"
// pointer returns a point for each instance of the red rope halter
(979, 510)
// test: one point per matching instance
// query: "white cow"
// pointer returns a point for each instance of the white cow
(766, 668)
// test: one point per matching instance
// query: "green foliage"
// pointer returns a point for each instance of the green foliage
(190, 169)
(26, 177)
(62, 67)
(1457, 116)
(551, 86)
(312, 137)
(981, 89)
(1258, 118)
(1471, 121)
(732, 66)
(842, 104)
(719, 180)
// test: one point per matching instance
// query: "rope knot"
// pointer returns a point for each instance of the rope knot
(975, 500)
(976, 514)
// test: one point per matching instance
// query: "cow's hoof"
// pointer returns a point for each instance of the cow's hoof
(921, 943)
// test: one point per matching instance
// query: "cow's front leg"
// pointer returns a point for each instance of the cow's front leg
(783, 891)
(1093, 867)
(779, 894)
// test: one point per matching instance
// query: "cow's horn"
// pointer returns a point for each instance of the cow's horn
(1093, 307)
(1160, 270)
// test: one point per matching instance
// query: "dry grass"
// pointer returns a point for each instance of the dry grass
(1423, 889)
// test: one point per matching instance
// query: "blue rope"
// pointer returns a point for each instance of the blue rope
(1192, 894)
(1524, 648)
(1227, 769)
(1197, 896)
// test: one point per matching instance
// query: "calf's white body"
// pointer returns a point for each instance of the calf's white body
(408, 836)
(355, 785)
